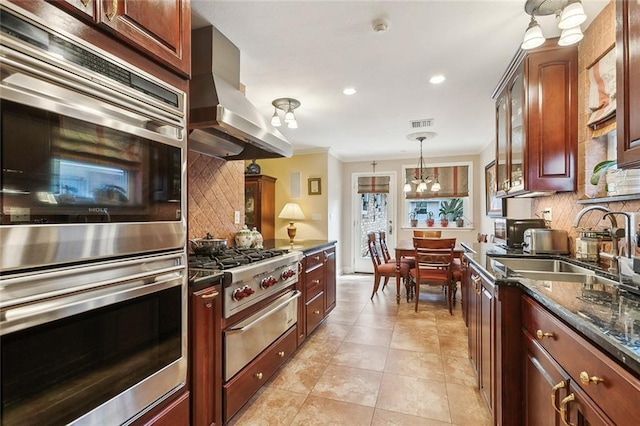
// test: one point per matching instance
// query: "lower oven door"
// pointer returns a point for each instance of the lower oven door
(245, 340)
(94, 345)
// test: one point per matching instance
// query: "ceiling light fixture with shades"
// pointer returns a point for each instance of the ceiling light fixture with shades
(570, 15)
(288, 105)
(421, 181)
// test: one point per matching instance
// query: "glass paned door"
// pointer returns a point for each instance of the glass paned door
(373, 212)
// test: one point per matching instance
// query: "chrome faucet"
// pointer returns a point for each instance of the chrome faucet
(586, 210)
(615, 232)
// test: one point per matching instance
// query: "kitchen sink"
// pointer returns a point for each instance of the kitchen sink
(567, 277)
(543, 265)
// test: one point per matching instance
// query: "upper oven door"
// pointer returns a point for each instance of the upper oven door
(92, 152)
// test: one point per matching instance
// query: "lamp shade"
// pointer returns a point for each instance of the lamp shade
(291, 211)
(533, 36)
(570, 36)
(572, 16)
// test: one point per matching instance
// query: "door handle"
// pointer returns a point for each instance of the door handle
(390, 228)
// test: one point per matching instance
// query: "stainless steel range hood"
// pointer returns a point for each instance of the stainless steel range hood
(222, 121)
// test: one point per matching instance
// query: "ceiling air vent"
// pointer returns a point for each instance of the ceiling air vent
(426, 123)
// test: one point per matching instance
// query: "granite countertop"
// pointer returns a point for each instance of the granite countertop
(603, 313)
(301, 245)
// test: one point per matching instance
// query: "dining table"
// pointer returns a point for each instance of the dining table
(405, 248)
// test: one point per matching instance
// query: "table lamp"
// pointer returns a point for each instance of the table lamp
(291, 212)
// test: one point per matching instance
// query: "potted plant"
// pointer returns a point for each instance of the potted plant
(413, 217)
(430, 220)
(601, 169)
(459, 221)
(450, 209)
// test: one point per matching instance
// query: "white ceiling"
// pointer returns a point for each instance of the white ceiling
(311, 50)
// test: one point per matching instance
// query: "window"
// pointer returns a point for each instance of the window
(453, 200)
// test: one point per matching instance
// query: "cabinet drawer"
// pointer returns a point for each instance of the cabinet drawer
(313, 260)
(247, 382)
(314, 282)
(618, 392)
(315, 312)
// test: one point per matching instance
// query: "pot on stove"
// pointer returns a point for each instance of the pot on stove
(244, 238)
(208, 245)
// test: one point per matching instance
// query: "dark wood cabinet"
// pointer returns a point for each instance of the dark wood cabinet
(161, 29)
(260, 204)
(329, 280)
(481, 333)
(628, 83)
(205, 353)
(174, 413)
(318, 278)
(536, 122)
(588, 387)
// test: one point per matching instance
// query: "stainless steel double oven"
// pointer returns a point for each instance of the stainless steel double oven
(93, 286)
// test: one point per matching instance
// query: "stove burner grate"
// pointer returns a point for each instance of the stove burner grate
(231, 258)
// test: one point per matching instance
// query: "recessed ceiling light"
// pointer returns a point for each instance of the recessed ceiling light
(349, 91)
(437, 79)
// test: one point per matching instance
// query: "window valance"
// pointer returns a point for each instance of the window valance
(454, 182)
(373, 185)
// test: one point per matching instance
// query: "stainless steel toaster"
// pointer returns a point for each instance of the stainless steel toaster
(543, 240)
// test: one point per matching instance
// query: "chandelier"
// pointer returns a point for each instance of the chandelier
(421, 181)
(570, 15)
(287, 105)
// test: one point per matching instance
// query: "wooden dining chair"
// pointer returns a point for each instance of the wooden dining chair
(380, 268)
(426, 234)
(382, 236)
(434, 259)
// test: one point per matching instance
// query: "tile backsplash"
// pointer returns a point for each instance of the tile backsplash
(216, 191)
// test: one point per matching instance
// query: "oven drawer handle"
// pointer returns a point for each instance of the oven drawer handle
(242, 329)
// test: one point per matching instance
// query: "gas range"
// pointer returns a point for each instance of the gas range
(249, 275)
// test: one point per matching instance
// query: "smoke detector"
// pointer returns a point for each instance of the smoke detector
(380, 25)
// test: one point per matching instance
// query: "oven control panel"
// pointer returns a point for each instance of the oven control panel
(243, 294)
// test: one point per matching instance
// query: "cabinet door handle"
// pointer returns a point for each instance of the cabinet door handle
(541, 335)
(554, 391)
(585, 379)
(114, 10)
(316, 258)
(258, 376)
(281, 354)
(475, 279)
(563, 410)
(317, 312)
(315, 282)
(210, 295)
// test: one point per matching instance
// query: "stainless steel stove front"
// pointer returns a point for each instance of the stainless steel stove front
(247, 285)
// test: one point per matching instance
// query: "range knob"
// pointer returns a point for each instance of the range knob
(268, 281)
(288, 273)
(242, 292)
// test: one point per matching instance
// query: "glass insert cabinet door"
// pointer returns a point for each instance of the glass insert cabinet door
(517, 142)
(250, 193)
(502, 146)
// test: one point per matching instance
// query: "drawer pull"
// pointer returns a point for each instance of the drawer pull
(563, 409)
(541, 335)
(258, 376)
(554, 391)
(281, 354)
(585, 379)
(315, 282)
(316, 258)
(210, 295)
(114, 10)
(317, 312)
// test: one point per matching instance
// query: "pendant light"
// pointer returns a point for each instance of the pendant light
(421, 181)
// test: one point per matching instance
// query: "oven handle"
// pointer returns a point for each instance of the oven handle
(178, 270)
(244, 328)
(30, 315)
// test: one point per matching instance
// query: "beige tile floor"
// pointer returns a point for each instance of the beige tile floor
(373, 362)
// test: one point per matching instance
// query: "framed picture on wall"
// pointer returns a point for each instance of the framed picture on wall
(314, 186)
(496, 207)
